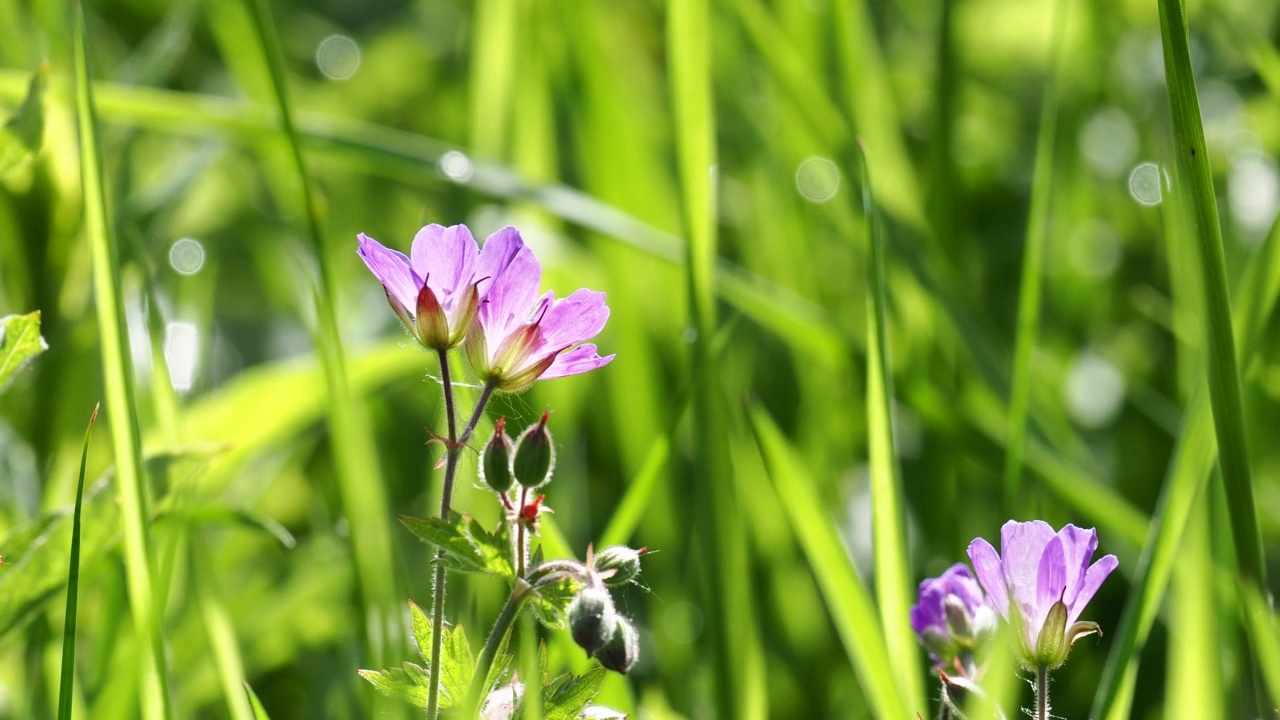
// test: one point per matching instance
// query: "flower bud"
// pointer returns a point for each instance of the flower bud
(621, 559)
(623, 648)
(592, 618)
(431, 325)
(495, 458)
(535, 457)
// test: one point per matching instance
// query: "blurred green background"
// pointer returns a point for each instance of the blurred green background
(275, 554)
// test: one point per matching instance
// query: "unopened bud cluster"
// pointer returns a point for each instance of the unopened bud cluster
(528, 461)
(599, 629)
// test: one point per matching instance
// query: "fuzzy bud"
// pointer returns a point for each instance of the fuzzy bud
(535, 456)
(621, 559)
(592, 618)
(623, 648)
(495, 459)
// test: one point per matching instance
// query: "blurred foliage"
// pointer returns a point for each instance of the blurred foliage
(556, 116)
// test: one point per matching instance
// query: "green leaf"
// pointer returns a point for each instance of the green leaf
(259, 712)
(421, 631)
(550, 602)
(22, 135)
(408, 683)
(19, 342)
(567, 695)
(467, 546)
(457, 664)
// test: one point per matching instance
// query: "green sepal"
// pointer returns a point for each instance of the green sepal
(467, 546)
(1051, 647)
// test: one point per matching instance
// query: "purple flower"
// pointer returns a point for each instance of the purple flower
(1040, 583)
(952, 616)
(436, 293)
(521, 337)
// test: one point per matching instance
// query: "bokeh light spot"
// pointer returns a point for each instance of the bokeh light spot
(456, 166)
(338, 57)
(1095, 390)
(1144, 183)
(817, 179)
(186, 256)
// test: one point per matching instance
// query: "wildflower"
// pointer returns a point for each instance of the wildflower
(522, 337)
(953, 617)
(503, 702)
(1041, 582)
(436, 294)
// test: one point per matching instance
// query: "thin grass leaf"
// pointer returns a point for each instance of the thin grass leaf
(888, 514)
(118, 371)
(1195, 678)
(1260, 620)
(220, 631)
(1195, 184)
(1033, 269)
(721, 545)
(67, 678)
(846, 597)
(359, 473)
(259, 712)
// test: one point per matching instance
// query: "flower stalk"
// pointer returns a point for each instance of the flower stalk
(479, 681)
(1042, 692)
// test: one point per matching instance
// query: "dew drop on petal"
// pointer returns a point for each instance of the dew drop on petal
(1144, 183)
(181, 342)
(817, 179)
(456, 166)
(1095, 390)
(186, 256)
(338, 57)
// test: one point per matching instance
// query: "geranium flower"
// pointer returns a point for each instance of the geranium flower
(953, 616)
(521, 337)
(436, 292)
(1041, 582)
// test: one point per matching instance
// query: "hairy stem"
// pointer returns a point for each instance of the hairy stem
(521, 552)
(479, 681)
(1042, 693)
(452, 450)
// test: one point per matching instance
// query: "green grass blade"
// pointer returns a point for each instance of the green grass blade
(1195, 183)
(118, 371)
(1260, 620)
(721, 540)
(847, 598)
(66, 681)
(888, 516)
(222, 637)
(259, 712)
(1195, 677)
(1033, 270)
(359, 474)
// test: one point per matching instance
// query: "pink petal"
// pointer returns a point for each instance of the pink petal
(446, 257)
(1078, 545)
(578, 360)
(577, 318)
(1051, 582)
(1022, 544)
(391, 268)
(1092, 581)
(508, 276)
(987, 566)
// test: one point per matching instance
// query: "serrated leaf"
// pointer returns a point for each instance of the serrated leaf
(408, 683)
(550, 602)
(566, 696)
(19, 342)
(456, 667)
(22, 135)
(421, 631)
(467, 546)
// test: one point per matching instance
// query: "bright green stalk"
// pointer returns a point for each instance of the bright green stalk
(359, 475)
(1033, 269)
(846, 597)
(1195, 183)
(221, 634)
(888, 516)
(66, 682)
(720, 540)
(117, 368)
